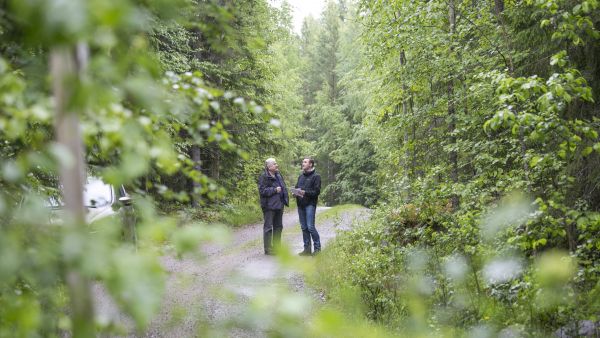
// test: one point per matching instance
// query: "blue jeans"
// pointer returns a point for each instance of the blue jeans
(307, 223)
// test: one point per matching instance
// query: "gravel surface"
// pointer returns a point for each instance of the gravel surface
(208, 293)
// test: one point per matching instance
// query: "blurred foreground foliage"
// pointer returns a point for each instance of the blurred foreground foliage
(422, 271)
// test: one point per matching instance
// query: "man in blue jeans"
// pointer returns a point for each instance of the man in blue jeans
(307, 196)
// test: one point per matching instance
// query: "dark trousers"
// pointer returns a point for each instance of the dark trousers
(272, 228)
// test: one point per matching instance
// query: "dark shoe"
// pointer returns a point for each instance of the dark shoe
(270, 253)
(305, 253)
(316, 252)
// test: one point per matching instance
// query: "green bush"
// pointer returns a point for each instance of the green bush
(420, 274)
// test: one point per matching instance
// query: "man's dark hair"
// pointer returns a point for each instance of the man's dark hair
(311, 160)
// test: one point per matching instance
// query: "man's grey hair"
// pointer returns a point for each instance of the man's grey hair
(270, 160)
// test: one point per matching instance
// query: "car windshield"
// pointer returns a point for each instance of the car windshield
(97, 194)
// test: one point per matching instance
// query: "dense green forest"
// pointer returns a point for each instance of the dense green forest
(470, 128)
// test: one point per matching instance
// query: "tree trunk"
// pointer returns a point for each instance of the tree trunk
(64, 70)
(216, 168)
(452, 109)
(498, 9)
(415, 172)
(196, 158)
(405, 109)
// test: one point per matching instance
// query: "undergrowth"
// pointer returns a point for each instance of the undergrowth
(420, 270)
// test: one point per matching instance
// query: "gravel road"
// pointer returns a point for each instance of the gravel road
(204, 295)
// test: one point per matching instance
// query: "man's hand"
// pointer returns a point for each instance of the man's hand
(278, 189)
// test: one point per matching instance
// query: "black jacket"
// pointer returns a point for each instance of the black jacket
(311, 184)
(269, 198)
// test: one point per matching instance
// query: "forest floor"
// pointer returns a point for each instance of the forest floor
(205, 297)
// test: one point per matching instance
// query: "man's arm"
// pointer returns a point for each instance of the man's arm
(263, 189)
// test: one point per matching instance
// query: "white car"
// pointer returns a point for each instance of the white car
(99, 199)
(102, 200)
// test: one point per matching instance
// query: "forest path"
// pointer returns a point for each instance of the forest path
(204, 295)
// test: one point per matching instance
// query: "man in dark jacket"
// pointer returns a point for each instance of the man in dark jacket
(273, 197)
(307, 196)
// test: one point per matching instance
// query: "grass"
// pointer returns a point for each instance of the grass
(236, 215)
(233, 215)
(242, 214)
(336, 211)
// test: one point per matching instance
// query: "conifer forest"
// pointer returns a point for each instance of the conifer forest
(469, 129)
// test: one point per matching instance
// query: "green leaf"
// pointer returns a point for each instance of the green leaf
(187, 239)
(137, 283)
(534, 161)
(585, 6)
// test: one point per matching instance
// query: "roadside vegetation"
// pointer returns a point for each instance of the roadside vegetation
(475, 137)
(336, 211)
